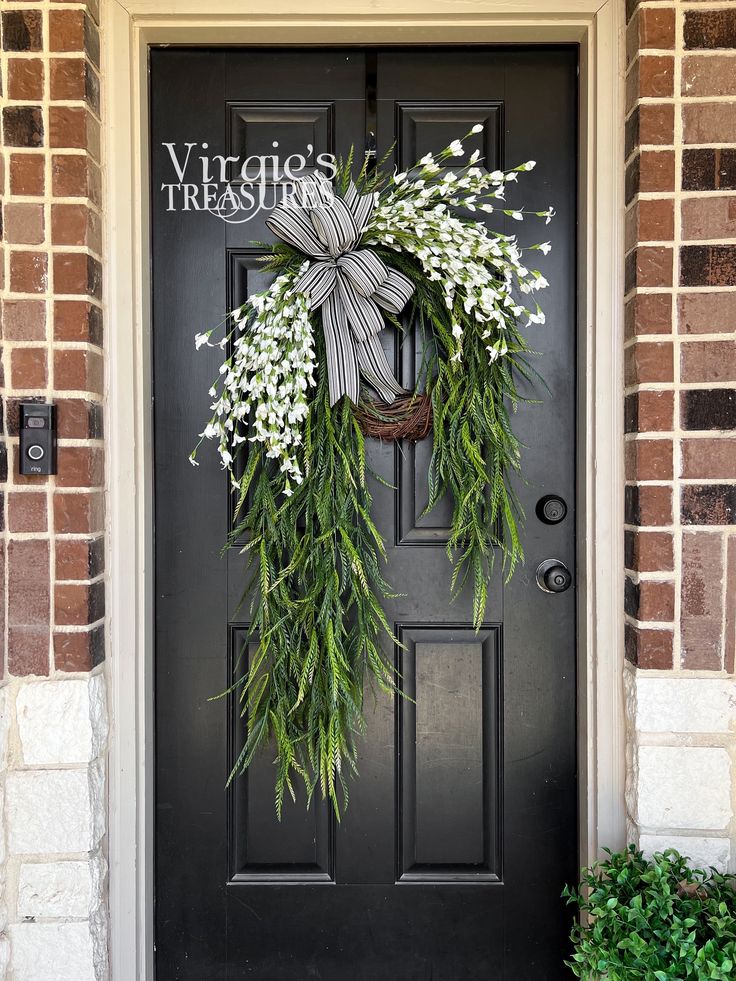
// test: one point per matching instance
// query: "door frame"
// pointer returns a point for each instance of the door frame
(597, 26)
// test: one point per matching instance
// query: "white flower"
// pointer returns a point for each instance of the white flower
(456, 148)
(545, 247)
(478, 128)
(201, 339)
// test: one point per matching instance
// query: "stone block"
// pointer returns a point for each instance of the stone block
(685, 787)
(62, 721)
(54, 952)
(702, 853)
(51, 811)
(61, 890)
(681, 704)
(4, 726)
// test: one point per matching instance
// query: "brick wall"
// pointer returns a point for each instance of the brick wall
(680, 376)
(52, 549)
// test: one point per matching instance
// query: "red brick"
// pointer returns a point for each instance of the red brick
(730, 638)
(656, 124)
(28, 651)
(77, 320)
(25, 79)
(709, 75)
(713, 458)
(648, 505)
(79, 558)
(648, 313)
(28, 368)
(649, 265)
(649, 649)
(27, 512)
(709, 122)
(79, 419)
(79, 514)
(656, 170)
(708, 361)
(702, 601)
(653, 220)
(75, 224)
(80, 371)
(28, 272)
(649, 361)
(708, 218)
(23, 223)
(28, 583)
(68, 127)
(27, 174)
(75, 175)
(649, 459)
(657, 27)
(78, 603)
(66, 30)
(657, 76)
(67, 79)
(649, 551)
(80, 466)
(650, 412)
(707, 313)
(656, 601)
(24, 320)
(79, 651)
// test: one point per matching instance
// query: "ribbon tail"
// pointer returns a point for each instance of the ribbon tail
(342, 361)
(376, 370)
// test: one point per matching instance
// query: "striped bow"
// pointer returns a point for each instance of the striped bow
(348, 283)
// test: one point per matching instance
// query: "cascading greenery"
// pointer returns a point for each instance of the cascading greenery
(317, 611)
(304, 506)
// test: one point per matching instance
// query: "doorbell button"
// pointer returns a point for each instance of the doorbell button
(551, 509)
(36, 452)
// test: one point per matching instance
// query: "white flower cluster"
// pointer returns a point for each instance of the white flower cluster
(263, 384)
(479, 270)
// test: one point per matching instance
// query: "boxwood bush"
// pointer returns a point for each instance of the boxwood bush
(653, 920)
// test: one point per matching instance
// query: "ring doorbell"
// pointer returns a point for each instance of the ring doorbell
(37, 439)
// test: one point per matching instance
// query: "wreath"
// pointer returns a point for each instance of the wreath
(290, 417)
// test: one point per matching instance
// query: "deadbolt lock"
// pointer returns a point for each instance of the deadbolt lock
(551, 509)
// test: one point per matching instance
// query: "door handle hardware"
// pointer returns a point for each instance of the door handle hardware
(551, 509)
(553, 576)
(370, 149)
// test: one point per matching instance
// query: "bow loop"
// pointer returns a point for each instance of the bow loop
(348, 284)
(364, 270)
(335, 226)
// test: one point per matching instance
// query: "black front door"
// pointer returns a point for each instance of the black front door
(461, 828)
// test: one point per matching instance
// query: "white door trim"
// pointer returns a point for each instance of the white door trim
(130, 27)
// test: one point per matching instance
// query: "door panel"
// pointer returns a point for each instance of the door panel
(461, 829)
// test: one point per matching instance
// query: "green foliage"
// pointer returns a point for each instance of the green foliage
(653, 920)
(316, 610)
(475, 452)
(318, 629)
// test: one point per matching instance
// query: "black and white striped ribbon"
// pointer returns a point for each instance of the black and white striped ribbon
(347, 283)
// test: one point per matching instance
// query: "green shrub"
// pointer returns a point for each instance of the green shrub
(653, 920)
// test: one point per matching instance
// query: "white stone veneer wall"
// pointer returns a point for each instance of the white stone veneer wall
(681, 748)
(53, 917)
